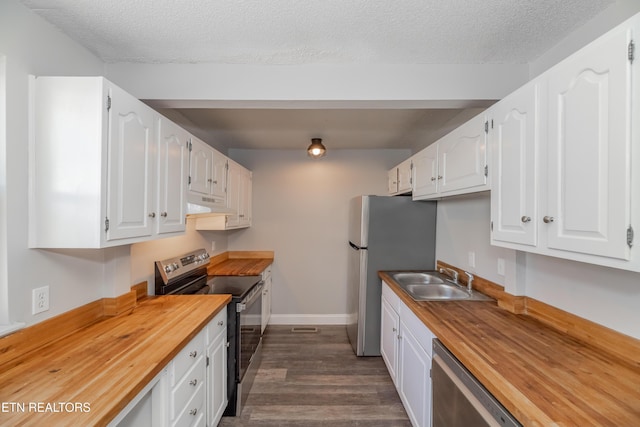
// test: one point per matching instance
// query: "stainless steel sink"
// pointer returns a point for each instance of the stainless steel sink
(413, 278)
(439, 291)
(433, 286)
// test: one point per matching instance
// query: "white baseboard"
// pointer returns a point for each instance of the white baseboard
(309, 319)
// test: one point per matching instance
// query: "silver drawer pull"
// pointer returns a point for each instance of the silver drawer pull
(547, 219)
(220, 322)
(193, 354)
(193, 382)
(525, 219)
(193, 411)
(163, 214)
(152, 215)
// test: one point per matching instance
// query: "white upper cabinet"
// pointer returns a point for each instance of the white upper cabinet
(460, 163)
(514, 136)
(400, 178)
(563, 156)
(239, 196)
(589, 137)
(425, 172)
(94, 172)
(173, 161)
(207, 175)
(130, 177)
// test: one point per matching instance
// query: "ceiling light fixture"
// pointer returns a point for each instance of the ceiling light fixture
(316, 149)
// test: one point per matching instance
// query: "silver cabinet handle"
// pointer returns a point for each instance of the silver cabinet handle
(152, 215)
(193, 411)
(193, 382)
(193, 354)
(433, 178)
(525, 218)
(163, 214)
(439, 176)
(221, 322)
(547, 219)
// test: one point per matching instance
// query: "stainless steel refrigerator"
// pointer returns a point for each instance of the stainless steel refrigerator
(385, 233)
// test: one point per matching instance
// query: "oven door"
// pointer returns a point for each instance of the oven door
(250, 316)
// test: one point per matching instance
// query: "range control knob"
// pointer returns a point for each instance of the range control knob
(168, 268)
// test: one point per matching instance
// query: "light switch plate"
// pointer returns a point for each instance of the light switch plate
(472, 259)
(501, 266)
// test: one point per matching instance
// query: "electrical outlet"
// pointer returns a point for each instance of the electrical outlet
(501, 266)
(472, 259)
(40, 300)
(213, 246)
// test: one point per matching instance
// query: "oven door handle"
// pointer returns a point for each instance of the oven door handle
(256, 293)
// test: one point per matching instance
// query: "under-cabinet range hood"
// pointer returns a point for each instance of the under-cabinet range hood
(199, 204)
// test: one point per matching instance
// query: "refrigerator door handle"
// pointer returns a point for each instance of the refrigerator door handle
(356, 247)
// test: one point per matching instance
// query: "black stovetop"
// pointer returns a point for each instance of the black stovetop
(237, 286)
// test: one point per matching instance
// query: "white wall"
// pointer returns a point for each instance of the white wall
(32, 46)
(603, 295)
(300, 210)
(144, 255)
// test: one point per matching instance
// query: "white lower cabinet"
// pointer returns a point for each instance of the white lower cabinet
(266, 298)
(406, 350)
(191, 390)
(216, 368)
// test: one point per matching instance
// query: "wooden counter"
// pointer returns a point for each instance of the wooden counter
(541, 375)
(101, 367)
(239, 263)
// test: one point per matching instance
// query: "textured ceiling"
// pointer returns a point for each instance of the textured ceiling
(317, 31)
(293, 32)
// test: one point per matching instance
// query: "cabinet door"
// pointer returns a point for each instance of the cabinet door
(200, 167)
(219, 176)
(233, 193)
(389, 327)
(462, 157)
(266, 303)
(514, 141)
(172, 176)
(392, 181)
(414, 369)
(425, 172)
(217, 378)
(131, 168)
(589, 139)
(404, 176)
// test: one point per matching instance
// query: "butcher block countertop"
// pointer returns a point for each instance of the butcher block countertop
(240, 263)
(543, 376)
(89, 376)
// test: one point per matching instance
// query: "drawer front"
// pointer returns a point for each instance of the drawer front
(193, 413)
(391, 297)
(187, 358)
(187, 386)
(418, 329)
(217, 325)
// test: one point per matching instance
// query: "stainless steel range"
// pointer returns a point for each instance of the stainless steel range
(187, 274)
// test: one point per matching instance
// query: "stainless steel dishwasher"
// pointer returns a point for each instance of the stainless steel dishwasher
(459, 400)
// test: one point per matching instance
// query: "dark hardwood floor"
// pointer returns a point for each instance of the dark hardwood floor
(314, 380)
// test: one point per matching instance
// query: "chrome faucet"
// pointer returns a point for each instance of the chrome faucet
(469, 282)
(451, 273)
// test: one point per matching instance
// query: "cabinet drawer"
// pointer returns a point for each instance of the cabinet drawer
(391, 297)
(187, 358)
(187, 386)
(217, 325)
(421, 333)
(193, 413)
